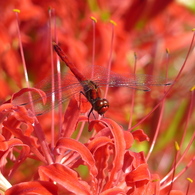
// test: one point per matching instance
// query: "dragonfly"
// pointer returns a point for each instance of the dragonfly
(75, 82)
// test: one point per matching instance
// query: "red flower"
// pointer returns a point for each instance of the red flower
(100, 157)
(111, 165)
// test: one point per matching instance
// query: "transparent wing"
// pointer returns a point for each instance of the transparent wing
(138, 81)
(62, 92)
(70, 86)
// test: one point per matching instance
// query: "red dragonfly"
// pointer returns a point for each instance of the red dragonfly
(77, 82)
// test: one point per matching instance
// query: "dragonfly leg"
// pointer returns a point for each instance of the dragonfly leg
(91, 112)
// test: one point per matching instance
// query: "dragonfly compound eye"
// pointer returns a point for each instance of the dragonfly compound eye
(101, 106)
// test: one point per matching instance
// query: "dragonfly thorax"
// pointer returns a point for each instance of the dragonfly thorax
(92, 93)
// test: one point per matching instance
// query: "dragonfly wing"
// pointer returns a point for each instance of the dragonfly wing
(138, 81)
(59, 96)
(62, 91)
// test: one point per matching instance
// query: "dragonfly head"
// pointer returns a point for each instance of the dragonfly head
(101, 106)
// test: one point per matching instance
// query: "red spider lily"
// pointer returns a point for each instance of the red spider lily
(107, 156)
(107, 159)
(113, 168)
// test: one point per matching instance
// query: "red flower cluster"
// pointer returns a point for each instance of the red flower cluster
(112, 167)
(63, 153)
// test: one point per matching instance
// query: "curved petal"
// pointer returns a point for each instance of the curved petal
(6, 106)
(4, 144)
(21, 114)
(34, 187)
(65, 177)
(139, 177)
(113, 191)
(129, 139)
(98, 142)
(11, 126)
(119, 143)
(140, 136)
(23, 91)
(86, 155)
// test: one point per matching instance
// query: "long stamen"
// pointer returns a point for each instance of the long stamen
(160, 115)
(186, 149)
(94, 42)
(52, 79)
(188, 188)
(37, 127)
(17, 11)
(111, 51)
(133, 95)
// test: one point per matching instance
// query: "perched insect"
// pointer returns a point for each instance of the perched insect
(76, 82)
